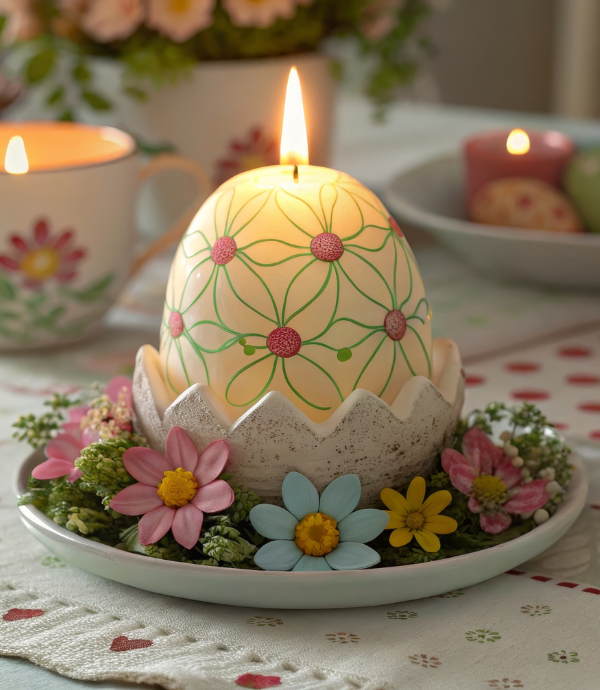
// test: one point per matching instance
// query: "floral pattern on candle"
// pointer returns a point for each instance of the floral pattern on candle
(308, 289)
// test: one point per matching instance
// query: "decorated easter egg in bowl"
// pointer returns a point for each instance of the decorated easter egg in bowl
(522, 202)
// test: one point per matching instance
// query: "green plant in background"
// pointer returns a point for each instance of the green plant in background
(157, 43)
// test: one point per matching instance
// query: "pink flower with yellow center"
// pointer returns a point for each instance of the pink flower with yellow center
(495, 486)
(261, 13)
(110, 20)
(175, 491)
(43, 257)
(79, 431)
(179, 20)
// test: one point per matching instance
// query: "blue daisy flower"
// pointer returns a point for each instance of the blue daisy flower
(317, 533)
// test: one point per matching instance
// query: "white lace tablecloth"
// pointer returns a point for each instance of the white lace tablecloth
(533, 628)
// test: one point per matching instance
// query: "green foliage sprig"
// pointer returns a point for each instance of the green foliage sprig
(37, 431)
(102, 466)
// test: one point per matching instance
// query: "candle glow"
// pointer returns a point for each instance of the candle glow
(15, 161)
(294, 143)
(517, 142)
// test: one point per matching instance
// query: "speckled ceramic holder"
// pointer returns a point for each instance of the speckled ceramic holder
(385, 445)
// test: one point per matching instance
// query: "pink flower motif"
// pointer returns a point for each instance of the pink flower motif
(74, 435)
(256, 681)
(175, 491)
(43, 257)
(494, 485)
(255, 151)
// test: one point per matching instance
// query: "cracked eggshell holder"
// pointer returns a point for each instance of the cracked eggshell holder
(385, 445)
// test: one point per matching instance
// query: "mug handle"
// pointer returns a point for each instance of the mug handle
(168, 161)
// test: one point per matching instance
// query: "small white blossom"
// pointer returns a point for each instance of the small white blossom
(553, 488)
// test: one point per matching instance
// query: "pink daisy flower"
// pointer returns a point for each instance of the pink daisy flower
(76, 434)
(43, 257)
(175, 491)
(495, 486)
(63, 450)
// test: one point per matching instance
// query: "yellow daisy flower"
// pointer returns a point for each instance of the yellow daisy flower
(411, 517)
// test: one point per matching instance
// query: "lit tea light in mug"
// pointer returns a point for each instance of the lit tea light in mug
(517, 142)
(67, 192)
(15, 160)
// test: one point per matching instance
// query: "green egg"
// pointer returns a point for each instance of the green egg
(582, 184)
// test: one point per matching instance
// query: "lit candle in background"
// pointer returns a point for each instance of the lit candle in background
(67, 194)
(515, 153)
(517, 142)
(15, 161)
(294, 278)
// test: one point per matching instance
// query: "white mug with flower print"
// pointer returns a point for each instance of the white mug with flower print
(66, 229)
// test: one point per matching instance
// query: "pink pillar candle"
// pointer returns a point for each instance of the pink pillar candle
(487, 158)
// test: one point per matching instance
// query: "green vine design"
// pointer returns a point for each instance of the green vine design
(338, 277)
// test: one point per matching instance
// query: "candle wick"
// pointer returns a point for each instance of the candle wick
(296, 176)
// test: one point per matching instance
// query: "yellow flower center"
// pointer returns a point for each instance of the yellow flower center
(415, 521)
(40, 264)
(177, 488)
(317, 535)
(180, 6)
(488, 489)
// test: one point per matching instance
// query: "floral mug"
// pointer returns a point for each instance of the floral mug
(66, 228)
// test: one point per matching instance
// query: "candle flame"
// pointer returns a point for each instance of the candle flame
(15, 161)
(294, 144)
(517, 142)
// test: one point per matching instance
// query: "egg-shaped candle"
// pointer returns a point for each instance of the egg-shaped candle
(294, 278)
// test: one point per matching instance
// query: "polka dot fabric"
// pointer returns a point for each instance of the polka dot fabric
(562, 378)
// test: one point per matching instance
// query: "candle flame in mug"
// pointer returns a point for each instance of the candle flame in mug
(15, 161)
(517, 142)
(294, 144)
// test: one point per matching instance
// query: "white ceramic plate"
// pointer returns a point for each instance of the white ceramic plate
(430, 197)
(321, 590)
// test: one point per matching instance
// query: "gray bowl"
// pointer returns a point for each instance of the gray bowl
(430, 197)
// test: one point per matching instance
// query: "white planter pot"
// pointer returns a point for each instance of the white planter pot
(230, 110)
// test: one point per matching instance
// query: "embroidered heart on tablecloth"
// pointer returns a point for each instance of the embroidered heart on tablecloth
(123, 644)
(21, 614)
(254, 680)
